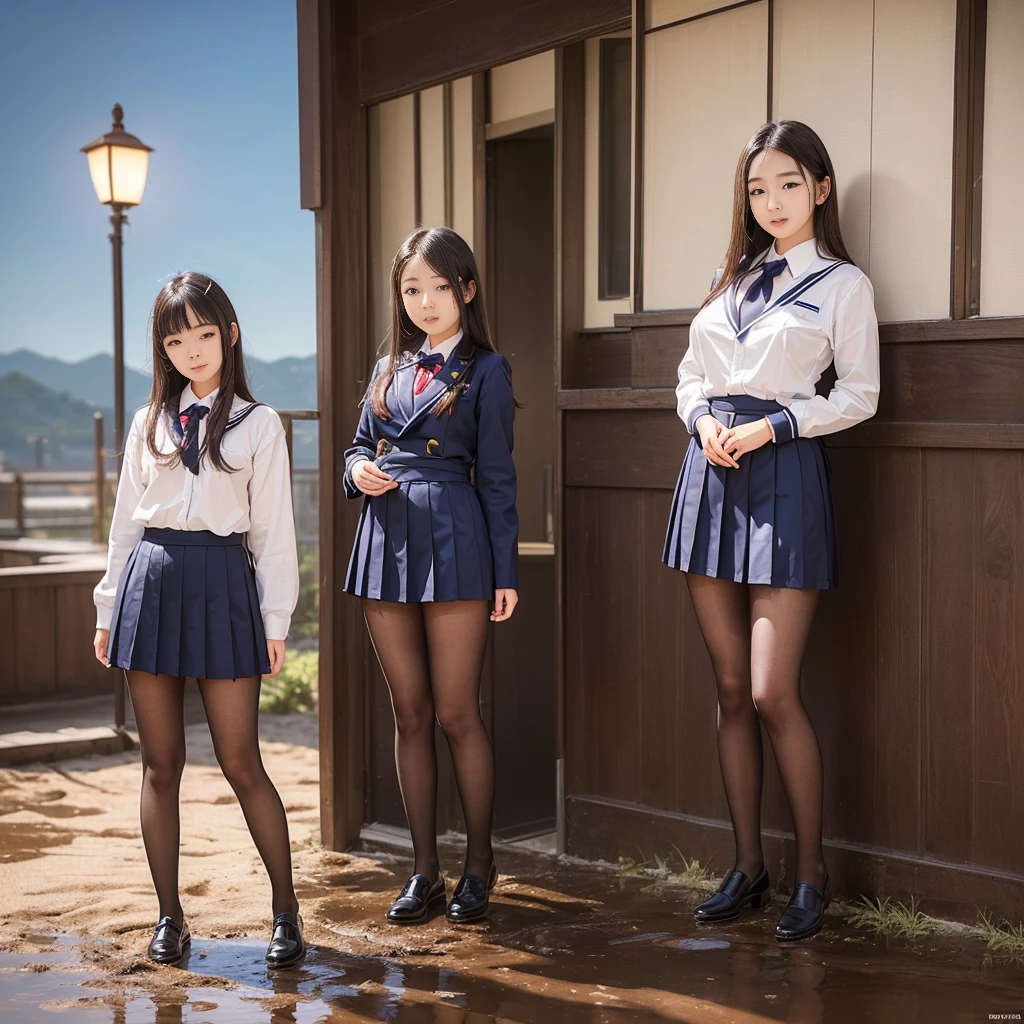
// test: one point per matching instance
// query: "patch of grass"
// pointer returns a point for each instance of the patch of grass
(294, 688)
(686, 871)
(1003, 938)
(892, 920)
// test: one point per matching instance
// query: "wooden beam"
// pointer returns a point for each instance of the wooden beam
(968, 138)
(570, 157)
(342, 305)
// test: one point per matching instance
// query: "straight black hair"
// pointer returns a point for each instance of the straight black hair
(192, 300)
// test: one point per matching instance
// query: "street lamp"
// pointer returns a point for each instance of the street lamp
(118, 163)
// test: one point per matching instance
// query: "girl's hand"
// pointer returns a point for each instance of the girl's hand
(275, 651)
(738, 441)
(505, 601)
(710, 432)
(370, 479)
(100, 644)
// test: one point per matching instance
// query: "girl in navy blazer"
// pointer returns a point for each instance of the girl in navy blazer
(435, 553)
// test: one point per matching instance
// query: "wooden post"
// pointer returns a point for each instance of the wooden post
(99, 501)
(17, 500)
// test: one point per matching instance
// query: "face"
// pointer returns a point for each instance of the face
(197, 352)
(430, 300)
(780, 198)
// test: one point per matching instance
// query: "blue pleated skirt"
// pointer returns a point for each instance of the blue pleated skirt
(769, 522)
(187, 605)
(425, 540)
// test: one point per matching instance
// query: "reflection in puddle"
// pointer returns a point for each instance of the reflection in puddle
(702, 944)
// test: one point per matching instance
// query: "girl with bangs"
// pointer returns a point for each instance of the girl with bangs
(202, 579)
(752, 522)
(435, 553)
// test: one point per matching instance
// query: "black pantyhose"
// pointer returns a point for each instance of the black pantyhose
(232, 707)
(756, 637)
(431, 655)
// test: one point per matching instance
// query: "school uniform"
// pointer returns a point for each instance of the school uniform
(758, 350)
(449, 531)
(202, 565)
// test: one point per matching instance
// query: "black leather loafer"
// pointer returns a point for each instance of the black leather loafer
(417, 900)
(470, 899)
(805, 913)
(169, 941)
(287, 946)
(735, 893)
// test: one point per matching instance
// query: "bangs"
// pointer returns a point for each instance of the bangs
(171, 314)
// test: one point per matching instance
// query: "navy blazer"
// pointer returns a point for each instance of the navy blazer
(476, 436)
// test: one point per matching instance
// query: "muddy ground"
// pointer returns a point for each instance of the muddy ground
(564, 942)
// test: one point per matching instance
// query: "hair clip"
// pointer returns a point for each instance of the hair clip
(209, 286)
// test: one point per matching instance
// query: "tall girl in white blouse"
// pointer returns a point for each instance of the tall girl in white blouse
(202, 579)
(752, 523)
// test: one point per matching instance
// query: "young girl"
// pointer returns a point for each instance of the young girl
(435, 557)
(202, 579)
(752, 521)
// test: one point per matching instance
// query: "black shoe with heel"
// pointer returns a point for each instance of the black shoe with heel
(805, 913)
(471, 897)
(418, 898)
(287, 947)
(735, 893)
(170, 941)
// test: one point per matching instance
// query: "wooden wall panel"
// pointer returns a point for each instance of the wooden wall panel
(597, 359)
(998, 699)
(405, 45)
(949, 559)
(914, 676)
(933, 381)
(624, 449)
(603, 686)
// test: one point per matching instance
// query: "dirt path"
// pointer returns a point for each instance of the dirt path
(564, 942)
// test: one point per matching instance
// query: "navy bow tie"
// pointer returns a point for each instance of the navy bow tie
(186, 430)
(763, 282)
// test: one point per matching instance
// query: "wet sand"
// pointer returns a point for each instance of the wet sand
(564, 942)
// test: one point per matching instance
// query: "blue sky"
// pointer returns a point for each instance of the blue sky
(212, 87)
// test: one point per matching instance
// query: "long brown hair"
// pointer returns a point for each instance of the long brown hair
(748, 239)
(447, 254)
(194, 294)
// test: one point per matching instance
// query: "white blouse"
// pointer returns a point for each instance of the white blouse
(820, 310)
(256, 499)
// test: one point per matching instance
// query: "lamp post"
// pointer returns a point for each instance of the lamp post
(118, 163)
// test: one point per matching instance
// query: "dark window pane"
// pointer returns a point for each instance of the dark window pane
(613, 173)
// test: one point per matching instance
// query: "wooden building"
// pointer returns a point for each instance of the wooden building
(586, 148)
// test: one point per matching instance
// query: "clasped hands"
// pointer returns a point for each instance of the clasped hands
(722, 445)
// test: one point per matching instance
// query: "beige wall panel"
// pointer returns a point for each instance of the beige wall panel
(523, 87)
(1002, 216)
(392, 197)
(664, 12)
(831, 42)
(704, 94)
(912, 158)
(432, 157)
(597, 312)
(462, 157)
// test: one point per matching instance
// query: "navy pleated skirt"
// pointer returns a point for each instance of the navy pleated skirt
(769, 522)
(425, 540)
(187, 605)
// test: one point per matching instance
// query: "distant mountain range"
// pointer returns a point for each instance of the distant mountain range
(285, 383)
(51, 398)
